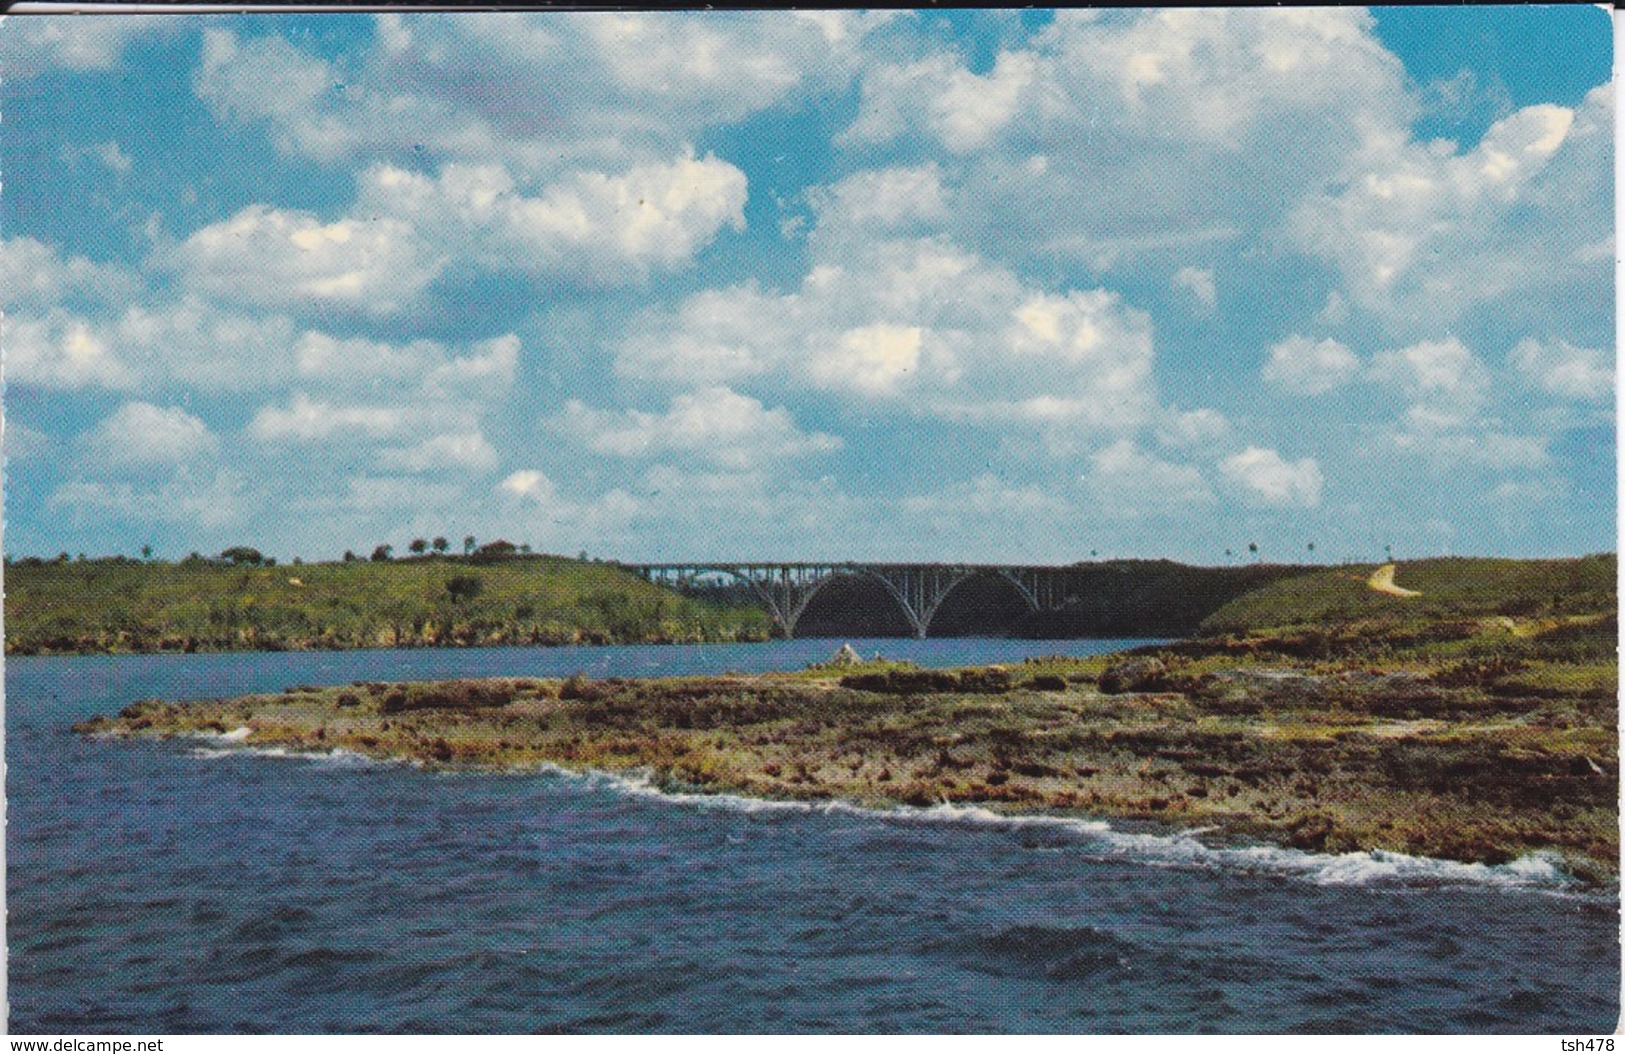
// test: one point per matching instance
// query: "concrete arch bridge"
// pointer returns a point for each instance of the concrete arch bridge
(785, 590)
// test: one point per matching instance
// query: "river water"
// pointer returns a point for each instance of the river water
(190, 887)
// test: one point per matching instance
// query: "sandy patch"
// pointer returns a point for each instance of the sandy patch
(1382, 581)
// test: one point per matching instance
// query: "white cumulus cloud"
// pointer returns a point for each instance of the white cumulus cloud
(594, 227)
(873, 359)
(1214, 118)
(373, 364)
(1264, 477)
(449, 452)
(276, 258)
(189, 342)
(1424, 230)
(63, 352)
(528, 483)
(1441, 371)
(545, 95)
(33, 44)
(37, 276)
(1129, 481)
(1565, 370)
(306, 420)
(1449, 441)
(716, 425)
(141, 434)
(882, 199)
(1193, 428)
(922, 325)
(1199, 281)
(1307, 367)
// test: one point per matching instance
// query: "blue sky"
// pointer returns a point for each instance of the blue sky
(991, 286)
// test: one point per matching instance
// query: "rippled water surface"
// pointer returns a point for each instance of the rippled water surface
(188, 887)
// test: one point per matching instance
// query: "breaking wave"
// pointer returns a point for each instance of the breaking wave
(337, 757)
(1538, 872)
(1092, 838)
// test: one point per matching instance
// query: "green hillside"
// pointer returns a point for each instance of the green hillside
(1449, 588)
(123, 605)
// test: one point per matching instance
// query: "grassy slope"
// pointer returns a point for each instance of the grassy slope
(1444, 729)
(106, 605)
(1450, 587)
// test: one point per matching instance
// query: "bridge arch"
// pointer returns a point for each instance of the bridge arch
(978, 581)
(1026, 591)
(863, 577)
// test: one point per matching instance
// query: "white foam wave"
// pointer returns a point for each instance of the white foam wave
(236, 735)
(640, 783)
(335, 758)
(1185, 848)
(1536, 872)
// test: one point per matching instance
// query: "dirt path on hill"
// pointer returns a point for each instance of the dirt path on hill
(1382, 581)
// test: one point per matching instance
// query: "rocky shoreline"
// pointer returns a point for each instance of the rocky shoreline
(1470, 760)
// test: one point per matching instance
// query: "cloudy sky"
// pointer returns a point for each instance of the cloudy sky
(944, 286)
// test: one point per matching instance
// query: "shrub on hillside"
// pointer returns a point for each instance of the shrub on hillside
(464, 587)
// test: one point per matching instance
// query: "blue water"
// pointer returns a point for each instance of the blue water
(188, 887)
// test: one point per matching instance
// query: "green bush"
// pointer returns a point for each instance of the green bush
(464, 587)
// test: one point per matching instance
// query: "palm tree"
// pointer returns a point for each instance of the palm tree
(418, 546)
(468, 545)
(1252, 547)
(440, 544)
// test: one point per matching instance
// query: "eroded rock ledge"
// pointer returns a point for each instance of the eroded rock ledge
(1482, 762)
